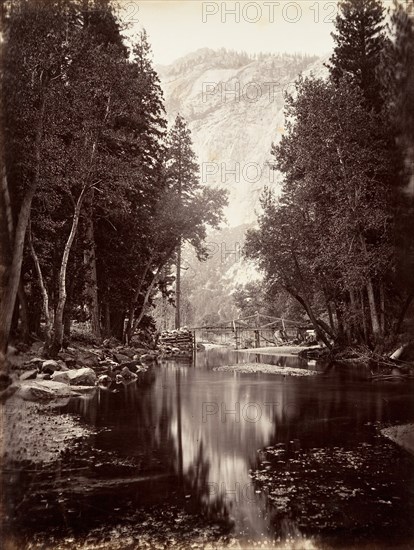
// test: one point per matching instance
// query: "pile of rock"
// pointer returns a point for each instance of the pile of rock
(78, 370)
(176, 343)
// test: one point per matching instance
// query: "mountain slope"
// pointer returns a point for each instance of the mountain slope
(234, 106)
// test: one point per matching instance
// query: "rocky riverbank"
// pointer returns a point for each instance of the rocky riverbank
(77, 370)
(31, 431)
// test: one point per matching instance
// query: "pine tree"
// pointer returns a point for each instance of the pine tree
(34, 66)
(360, 40)
(138, 140)
(398, 77)
(198, 206)
(183, 179)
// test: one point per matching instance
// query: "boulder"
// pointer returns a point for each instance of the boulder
(129, 352)
(121, 358)
(108, 363)
(68, 359)
(146, 358)
(133, 366)
(127, 374)
(43, 390)
(104, 380)
(82, 377)
(44, 376)
(138, 352)
(88, 359)
(29, 375)
(61, 376)
(49, 366)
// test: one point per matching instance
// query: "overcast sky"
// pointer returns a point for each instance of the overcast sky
(176, 28)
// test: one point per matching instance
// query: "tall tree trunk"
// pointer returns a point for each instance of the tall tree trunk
(57, 339)
(353, 323)
(15, 322)
(92, 280)
(375, 324)
(329, 310)
(382, 306)
(400, 319)
(9, 295)
(67, 322)
(146, 298)
(23, 314)
(341, 333)
(117, 323)
(107, 320)
(6, 231)
(133, 304)
(178, 290)
(42, 286)
(364, 319)
(324, 326)
(35, 317)
(306, 306)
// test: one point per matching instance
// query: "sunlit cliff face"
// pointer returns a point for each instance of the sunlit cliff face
(234, 106)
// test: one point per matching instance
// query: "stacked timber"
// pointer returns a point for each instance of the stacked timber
(176, 343)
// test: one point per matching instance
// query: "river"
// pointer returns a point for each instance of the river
(194, 439)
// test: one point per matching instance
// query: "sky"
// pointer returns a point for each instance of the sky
(178, 27)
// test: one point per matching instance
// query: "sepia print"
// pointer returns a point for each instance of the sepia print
(207, 274)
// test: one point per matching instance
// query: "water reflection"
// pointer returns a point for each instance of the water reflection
(203, 428)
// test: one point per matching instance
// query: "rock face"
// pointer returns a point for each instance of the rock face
(82, 377)
(234, 104)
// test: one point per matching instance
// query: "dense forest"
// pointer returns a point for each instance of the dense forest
(98, 196)
(338, 239)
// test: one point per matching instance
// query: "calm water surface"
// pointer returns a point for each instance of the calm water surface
(190, 436)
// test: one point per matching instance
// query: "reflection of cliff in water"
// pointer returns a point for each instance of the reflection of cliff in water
(187, 437)
(205, 427)
(145, 421)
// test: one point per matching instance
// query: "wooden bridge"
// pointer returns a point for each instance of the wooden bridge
(253, 331)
